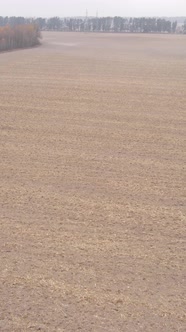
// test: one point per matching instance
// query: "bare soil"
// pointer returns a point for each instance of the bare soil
(92, 184)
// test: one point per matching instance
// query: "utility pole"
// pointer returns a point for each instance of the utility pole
(86, 21)
(97, 19)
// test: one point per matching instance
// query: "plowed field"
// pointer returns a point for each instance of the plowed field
(92, 184)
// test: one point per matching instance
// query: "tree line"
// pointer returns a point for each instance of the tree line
(101, 24)
(109, 24)
(19, 36)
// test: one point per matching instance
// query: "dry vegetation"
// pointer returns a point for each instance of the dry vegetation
(19, 36)
(93, 184)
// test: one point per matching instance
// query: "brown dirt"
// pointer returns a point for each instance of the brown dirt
(92, 184)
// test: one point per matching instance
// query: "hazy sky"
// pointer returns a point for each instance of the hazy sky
(48, 8)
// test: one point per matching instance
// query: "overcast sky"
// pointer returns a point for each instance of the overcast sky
(48, 8)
